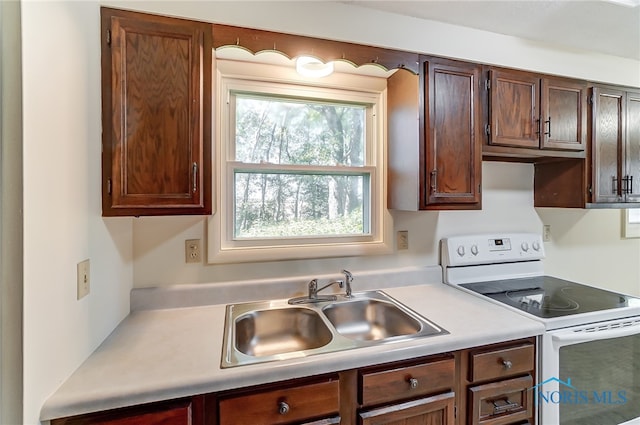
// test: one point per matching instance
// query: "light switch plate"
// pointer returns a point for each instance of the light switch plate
(84, 278)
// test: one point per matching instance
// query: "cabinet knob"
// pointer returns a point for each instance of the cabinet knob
(413, 383)
(507, 364)
(283, 407)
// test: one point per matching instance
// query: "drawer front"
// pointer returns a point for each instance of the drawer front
(502, 362)
(406, 382)
(281, 406)
(501, 402)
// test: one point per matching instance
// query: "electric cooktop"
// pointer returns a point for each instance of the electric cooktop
(548, 297)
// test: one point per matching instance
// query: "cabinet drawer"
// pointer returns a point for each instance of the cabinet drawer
(279, 406)
(410, 381)
(500, 363)
(501, 402)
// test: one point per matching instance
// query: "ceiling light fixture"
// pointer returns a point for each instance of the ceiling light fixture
(308, 66)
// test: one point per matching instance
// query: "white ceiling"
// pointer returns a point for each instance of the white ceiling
(606, 26)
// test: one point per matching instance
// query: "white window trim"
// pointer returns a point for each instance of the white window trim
(222, 248)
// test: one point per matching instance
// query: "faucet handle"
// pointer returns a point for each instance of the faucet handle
(348, 278)
(347, 275)
(313, 288)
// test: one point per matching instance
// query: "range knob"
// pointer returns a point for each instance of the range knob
(524, 246)
(460, 251)
(536, 246)
(474, 249)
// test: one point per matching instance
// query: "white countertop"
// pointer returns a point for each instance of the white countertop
(161, 354)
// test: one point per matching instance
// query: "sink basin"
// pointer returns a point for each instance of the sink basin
(370, 320)
(268, 332)
(275, 330)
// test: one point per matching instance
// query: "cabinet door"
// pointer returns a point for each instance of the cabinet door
(452, 134)
(185, 412)
(296, 404)
(607, 143)
(514, 108)
(436, 410)
(563, 115)
(156, 86)
(632, 154)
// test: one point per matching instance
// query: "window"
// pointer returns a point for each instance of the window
(300, 171)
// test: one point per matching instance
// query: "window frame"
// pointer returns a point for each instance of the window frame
(265, 79)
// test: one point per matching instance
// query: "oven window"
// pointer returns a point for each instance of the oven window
(605, 376)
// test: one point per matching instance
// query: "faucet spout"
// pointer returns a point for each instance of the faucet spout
(313, 287)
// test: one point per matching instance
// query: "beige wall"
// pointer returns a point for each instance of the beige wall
(62, 213)
(61, 120)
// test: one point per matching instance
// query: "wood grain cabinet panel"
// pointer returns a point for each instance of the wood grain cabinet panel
(528, 110)
(615, 145)
(435, 136)
(436, 410)
(503, 362)
(607, 144)
(498, 379)
(452, 133)
(156, 94)
(564, 114)
(514, 106)
(501, 403)
(633, 146)
(306, 403)
(392, 384)
(180, 412)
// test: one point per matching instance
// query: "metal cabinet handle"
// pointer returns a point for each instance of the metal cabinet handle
(614, 184)
(413, 383)
(434, 181)
(627, 184)
(283, 407)
(195, 177)
(548, 132)
(505, 406)
(507, 364)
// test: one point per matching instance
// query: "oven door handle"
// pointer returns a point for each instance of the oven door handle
(596, 334)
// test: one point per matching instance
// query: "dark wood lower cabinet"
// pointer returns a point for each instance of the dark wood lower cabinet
(480, 386)
(191, 411)
(435, 410)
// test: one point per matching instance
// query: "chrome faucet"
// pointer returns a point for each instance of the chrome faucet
(313, 288)
(348, 279)
(312, 296)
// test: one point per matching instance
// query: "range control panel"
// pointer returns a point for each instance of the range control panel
(472, 250)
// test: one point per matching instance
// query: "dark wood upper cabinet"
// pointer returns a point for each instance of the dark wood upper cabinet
(452, 133)
(615, 150)
(528, 110)
(514, 109)
(156, 108)
(632, 153)
(607, 149)
(435, 136)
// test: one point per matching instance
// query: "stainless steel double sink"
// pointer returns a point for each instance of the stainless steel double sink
(276, 330)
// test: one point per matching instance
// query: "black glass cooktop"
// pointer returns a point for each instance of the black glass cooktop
(549, 297)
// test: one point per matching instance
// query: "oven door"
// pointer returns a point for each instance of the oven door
(591, 374)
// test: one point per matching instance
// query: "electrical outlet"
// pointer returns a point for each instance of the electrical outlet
(84, 278)
(546, 232)
(403, 239)
(192, 251)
